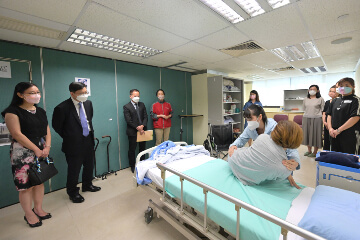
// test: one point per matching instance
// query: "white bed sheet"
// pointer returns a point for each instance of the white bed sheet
(296, 212)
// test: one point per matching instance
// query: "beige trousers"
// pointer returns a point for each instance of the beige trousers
(162, 135)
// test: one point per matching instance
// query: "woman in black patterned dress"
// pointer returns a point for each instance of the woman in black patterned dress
(31, 138)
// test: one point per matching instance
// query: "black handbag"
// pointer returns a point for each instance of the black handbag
(41, 171)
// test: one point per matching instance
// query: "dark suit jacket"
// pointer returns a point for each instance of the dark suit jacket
(66, 123)
(131, 118)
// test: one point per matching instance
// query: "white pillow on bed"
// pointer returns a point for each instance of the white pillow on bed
(333, 213)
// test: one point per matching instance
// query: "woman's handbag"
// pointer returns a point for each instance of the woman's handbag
(41, 171)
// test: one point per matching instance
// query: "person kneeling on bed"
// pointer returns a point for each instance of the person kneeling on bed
(263, 160)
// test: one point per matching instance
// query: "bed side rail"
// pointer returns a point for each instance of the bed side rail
(285, 226)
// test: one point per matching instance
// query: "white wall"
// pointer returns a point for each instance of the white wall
(357, 80)
(200, 106)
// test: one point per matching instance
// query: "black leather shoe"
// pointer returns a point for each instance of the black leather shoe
(91, 188)
(47, 216)
(77, 198)
(38, 224)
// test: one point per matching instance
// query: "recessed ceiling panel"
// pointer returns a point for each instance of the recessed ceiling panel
(104, 21)
(28, 38)
(264, 58)
(63, 11)
(279, 28)
(73, 47)
(186, 18)
(314, 62)
(200, 52)
(223, 39)
(322, 16)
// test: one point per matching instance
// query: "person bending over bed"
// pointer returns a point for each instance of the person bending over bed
(263, 160)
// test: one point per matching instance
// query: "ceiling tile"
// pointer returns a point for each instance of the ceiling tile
(174, 58)
(27, 39)
(64, 11)
(200, 52)
(153, 62)
(186, 18)
(321, 16)
(265, 59)
(73, 47)
(104, 21)
(278, 28)
(225, 38)
(326, 48)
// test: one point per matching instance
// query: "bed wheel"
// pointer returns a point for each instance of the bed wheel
(149, 213)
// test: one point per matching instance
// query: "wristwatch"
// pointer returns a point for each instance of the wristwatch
(338, 131)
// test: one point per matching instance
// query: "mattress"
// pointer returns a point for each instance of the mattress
(297, 209)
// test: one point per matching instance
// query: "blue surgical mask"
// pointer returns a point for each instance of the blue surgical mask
(344, 90)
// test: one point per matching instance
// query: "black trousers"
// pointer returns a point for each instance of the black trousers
(75, 161)
(132, 148)
(326, 139)
(345, 142)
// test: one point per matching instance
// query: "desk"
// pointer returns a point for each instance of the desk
(186, 116)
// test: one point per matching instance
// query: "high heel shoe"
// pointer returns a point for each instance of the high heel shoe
(47, 216)
(38, 224)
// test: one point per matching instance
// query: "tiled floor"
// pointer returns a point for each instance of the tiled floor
(116, 212)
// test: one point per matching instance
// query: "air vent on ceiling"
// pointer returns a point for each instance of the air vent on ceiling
(24, 27)
(282, 69)
(243, 49)
(313, 69)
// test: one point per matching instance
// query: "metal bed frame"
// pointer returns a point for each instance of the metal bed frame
(179, 213)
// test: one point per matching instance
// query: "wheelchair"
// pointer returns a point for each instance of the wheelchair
(218, 140)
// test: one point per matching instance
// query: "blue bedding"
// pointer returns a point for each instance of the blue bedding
(333, 214)
(274, 197)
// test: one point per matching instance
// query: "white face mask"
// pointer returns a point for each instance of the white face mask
(252, 125)
(82, 97)
(161, 97)
(312, 92)
(33, 98)
(136, 99)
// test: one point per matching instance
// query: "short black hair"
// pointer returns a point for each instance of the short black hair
(159, 91)
(255, 110)
(75, 86)
(318, 95)
(134, 90)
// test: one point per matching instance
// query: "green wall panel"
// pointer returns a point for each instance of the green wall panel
(147, 80)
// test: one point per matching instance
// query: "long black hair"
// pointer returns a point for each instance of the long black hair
(16, 100)
(257, 96)
(255, 110)
(317, 93)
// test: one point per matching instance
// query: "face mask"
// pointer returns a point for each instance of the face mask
(82, 97)
(252, 97)
(136, 99)
(33, 98)
(252, 125)
(312, 92)
(161, 97)
(344, 90)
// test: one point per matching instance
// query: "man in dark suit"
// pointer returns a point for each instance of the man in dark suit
(72, 120)
(136, 119)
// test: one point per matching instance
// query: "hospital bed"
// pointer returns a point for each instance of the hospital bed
(216, 212)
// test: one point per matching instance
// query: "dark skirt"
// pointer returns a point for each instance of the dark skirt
(22, 159)
(312, 132)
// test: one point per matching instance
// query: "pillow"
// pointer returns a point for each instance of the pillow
(339, 159)
(333, 214)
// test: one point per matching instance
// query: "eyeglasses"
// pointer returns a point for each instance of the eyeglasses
(33, 93)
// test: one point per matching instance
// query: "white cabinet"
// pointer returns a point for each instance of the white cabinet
(225, 101)
(293, 99)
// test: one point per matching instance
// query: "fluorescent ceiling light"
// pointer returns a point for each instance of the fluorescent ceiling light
(224, 10)
(96, 40)
(252, 7)
(278, 3)
(302, 51)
